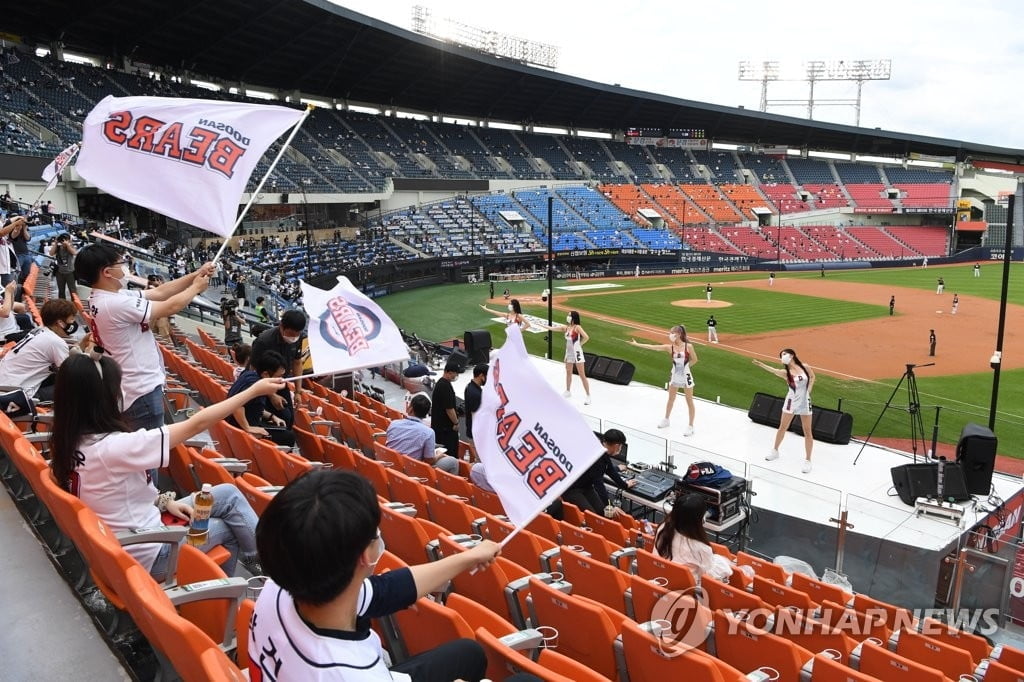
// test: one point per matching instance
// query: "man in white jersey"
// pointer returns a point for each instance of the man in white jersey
(32, 362)
(121, 326)
(319, 540)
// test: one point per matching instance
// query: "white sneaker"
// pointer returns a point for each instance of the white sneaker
(806, 468)
(567, 394)
(773, 455)
(688, 431)
(663, 424)
(586, 401)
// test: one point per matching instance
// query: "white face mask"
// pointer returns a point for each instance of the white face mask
(786, 358)
(510, 308)
(673, 337)
(568, 319)
(290, 339)
(377, 560)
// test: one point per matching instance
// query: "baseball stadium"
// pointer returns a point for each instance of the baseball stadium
(716, 277)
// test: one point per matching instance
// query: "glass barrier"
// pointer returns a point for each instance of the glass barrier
(684, 454)
(643, 447)
(790, 516)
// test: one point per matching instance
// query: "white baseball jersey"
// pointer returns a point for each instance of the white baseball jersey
(121, 321)
(32, 360)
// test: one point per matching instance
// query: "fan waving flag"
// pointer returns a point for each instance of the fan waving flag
(53, 169)
(348, 331)
(532, 442)
(189, 159)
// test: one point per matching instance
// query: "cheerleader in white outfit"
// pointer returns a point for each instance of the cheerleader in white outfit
(684, 357)
(575, 337)
(514, 314)
(800, 379)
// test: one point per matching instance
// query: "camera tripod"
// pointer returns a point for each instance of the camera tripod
(913, 409)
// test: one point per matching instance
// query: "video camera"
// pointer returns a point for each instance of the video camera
(228, 306)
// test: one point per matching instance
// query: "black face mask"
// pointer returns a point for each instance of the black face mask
(70, 328)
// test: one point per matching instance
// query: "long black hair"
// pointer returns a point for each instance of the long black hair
(86, 401)
(516, 308)
(681, 331)
(574, 317)
(795, 359)
(686, 519)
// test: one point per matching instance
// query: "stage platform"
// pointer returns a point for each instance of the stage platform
(889, 551)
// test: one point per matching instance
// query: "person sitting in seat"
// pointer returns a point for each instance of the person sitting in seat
(320, 539)
(682, 538)
(95, 457)
(32, 363)
(258, 416)
(411, 437)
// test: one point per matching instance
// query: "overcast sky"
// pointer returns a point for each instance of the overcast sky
(957, 68)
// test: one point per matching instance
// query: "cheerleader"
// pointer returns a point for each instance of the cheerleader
(684, 357)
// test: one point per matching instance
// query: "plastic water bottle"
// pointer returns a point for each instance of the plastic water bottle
(199, 529)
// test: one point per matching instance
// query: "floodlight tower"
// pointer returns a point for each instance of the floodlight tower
(492, 42)
(814, 71)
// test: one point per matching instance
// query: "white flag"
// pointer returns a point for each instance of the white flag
(348, 331)
(53, 170)
(532, 442)
(189, 159)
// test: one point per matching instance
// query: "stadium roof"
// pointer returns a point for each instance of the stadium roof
(328, 51)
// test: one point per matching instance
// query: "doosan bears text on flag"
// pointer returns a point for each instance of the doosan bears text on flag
(53, 169)
(532, 442)
(189, 159)
(348, 331)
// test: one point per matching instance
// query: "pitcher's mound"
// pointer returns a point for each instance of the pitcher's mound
(700, 303)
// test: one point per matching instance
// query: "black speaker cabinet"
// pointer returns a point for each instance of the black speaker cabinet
(460, 358)
(604, 368)
(976, 453)
(922, 480)
(828, 426)
(765, 409)
(478, 345)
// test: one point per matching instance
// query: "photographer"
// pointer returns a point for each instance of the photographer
(63, 253)
(233, 321)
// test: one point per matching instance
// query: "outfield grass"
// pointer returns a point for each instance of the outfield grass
(446, 311)
(752, 311)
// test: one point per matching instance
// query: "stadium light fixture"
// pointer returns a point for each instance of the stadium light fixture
(814, 71)
(491, 42)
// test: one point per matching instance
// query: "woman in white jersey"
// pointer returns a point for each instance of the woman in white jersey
(514, 314)
(684, 357)
(96, 458)
(575, 337)
(800, 379)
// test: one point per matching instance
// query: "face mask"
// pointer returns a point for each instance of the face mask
(377, 560)
(289, 339)
(786, 358)
(673, 337)
(510, 308)
(568, 319)
(70, 328)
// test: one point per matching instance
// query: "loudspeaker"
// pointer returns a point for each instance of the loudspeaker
(922, 480)
(765, 409)
(603, 368)
(976, 453)
(284, 198)
(914, 480)
(459, 357)
(828, 426)
(478, 345)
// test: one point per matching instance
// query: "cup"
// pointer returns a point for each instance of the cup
(660, 581)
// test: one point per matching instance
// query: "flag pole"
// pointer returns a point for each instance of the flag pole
(263, 180)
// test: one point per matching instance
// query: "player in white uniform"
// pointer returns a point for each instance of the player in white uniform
(97, 459)
(684, 357)
(514, 314)
(31, 363)
(800, 379)
(575, 337)
(321, 539)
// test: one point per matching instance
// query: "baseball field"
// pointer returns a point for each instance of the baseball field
(839, 324)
